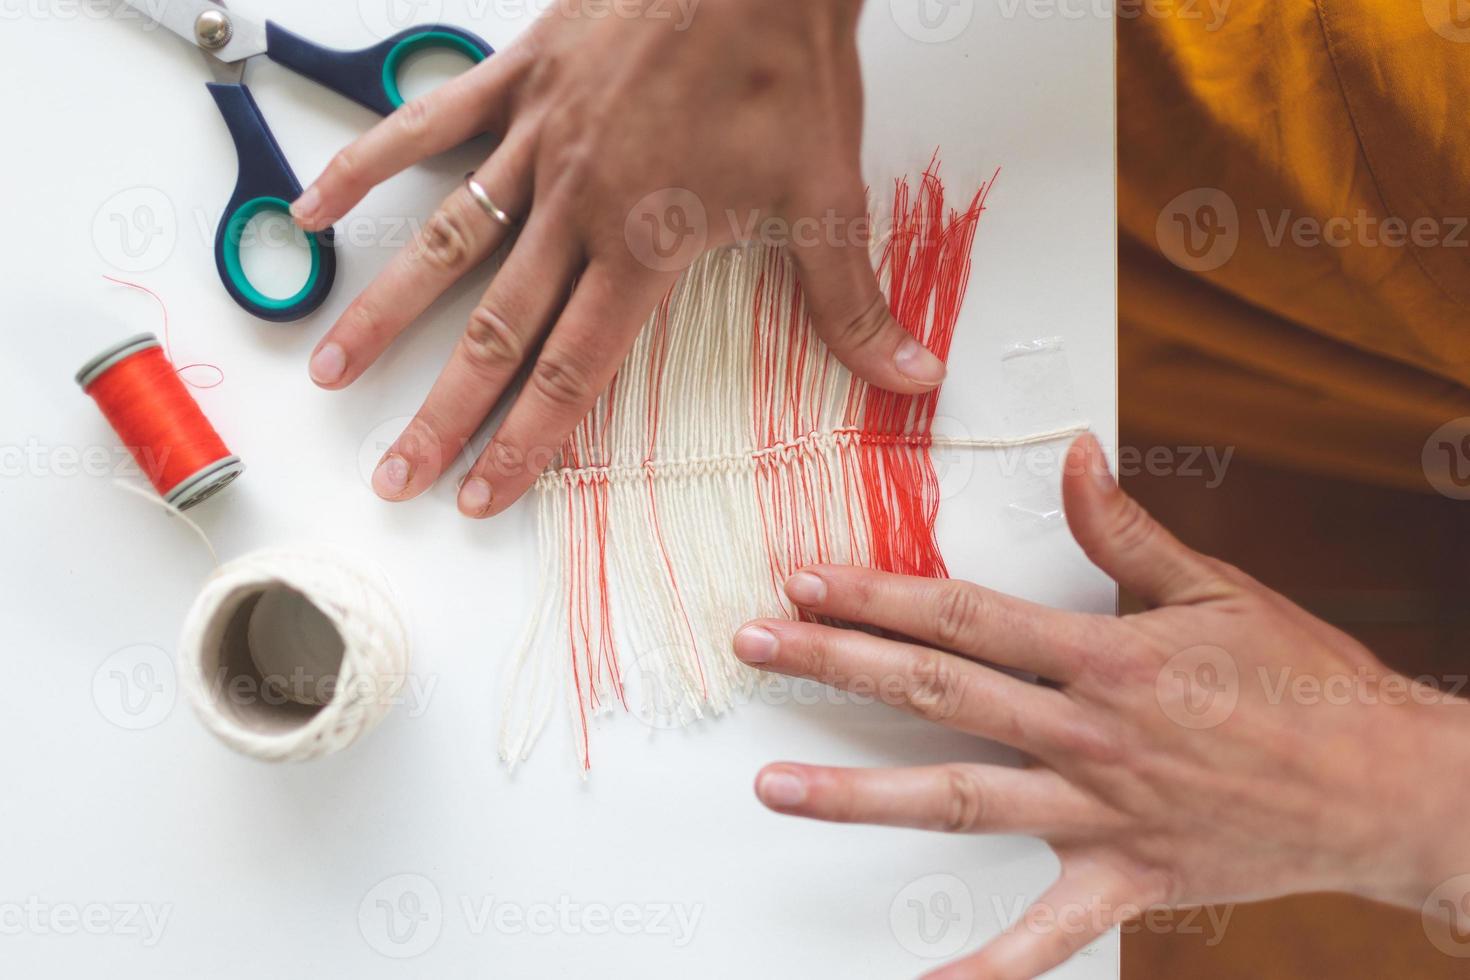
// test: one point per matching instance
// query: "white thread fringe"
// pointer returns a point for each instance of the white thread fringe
(673, 468)
(249, 713)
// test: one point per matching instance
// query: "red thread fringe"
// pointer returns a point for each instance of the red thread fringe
(884, 484)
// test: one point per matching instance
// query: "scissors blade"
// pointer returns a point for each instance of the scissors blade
(247, 38)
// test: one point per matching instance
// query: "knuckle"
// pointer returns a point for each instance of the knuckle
(446, 241)
(1149, 880)
(489, 342)
(362, 319)
(576, 177)
(838, 800)
(958, 615)
(1228, 577)
(344, 169)
(504, 459)
(1105, 656)
(1084, 741)
(421, 441)
(1108, 668)
(936, 687)
(1139, 651)
(860, 587)
(1132, 527)
(562, 379)
(965, 803)
(579, 162)
(811, 660)
(545, 67)
(867, 327)
(414, 118)
(1159, 886)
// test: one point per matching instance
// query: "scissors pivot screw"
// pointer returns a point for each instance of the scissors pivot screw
(213, 30)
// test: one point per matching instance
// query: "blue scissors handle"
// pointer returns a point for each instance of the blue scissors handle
(266, 183)
(370, 76)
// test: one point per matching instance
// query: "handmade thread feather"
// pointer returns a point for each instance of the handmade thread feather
(731, 450)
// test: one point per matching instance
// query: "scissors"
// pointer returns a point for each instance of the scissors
(266, 181)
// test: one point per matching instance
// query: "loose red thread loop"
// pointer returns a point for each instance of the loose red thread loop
(157, 419)
(167, 348)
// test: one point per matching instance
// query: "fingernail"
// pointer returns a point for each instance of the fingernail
(915, 362)
(806, 589)
(1097, 465)
(755, 645)
(474, 497)
(781, 789)
(391, 476)
(307, 204)
(328, 364)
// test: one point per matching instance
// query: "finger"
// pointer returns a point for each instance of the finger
(953, 615)
(461, 108)
(503, 330)
(936, 686)
(582, 353)
(1122, 539)
(457, 238)
(1084, 904)
(850, 312)
(961, 798)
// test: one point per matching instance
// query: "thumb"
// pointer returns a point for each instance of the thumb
(1122, 539)
(850, 312)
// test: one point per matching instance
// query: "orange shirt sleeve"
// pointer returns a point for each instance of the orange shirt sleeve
(1294, 221)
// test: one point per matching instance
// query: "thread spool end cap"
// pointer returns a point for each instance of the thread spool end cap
(114, 355)
(206, 483)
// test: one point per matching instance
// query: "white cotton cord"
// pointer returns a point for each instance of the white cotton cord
(317, 656)
(1018, 442)
(308, 692)
(172, 511)
(530, 683)
(784, 453)
(731, 450)
(661, 517)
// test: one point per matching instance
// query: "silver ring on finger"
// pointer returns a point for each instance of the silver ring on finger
(482, 198)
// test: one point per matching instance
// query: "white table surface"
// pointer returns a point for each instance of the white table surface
(132, 845)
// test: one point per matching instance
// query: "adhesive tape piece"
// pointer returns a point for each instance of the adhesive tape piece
(1039, 396)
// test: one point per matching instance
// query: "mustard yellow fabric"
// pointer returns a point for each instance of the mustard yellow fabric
(1335, 334)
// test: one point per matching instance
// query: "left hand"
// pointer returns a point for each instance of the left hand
(614, 128)
(1173, 762)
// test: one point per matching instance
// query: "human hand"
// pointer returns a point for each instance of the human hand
(1178, 759)
(755, 109)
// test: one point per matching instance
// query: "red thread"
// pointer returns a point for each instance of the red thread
(167, 348)
(157, 419)
(883, 485)
(927, 265)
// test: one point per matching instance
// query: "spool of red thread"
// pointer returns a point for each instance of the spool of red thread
(158, 420)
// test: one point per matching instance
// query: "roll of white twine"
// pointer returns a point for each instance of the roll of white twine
(291, 654)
